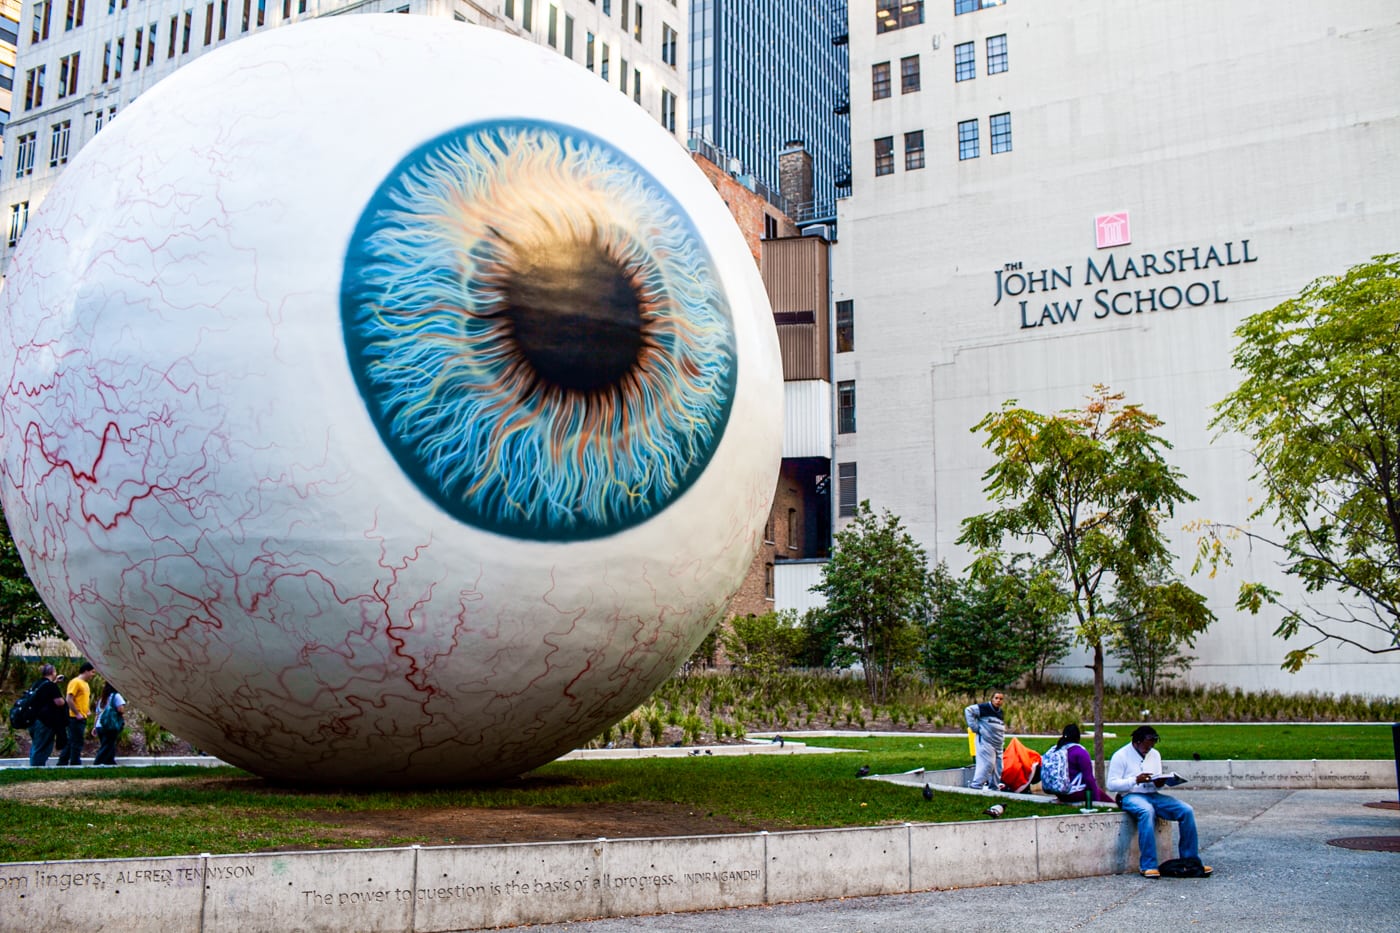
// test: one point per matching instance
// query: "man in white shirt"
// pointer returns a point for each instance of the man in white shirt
(1131, 773)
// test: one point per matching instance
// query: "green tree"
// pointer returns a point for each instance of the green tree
(1093, 488)
(1155, 629)
(876, 586)
(764, 645)
(993, 627)
(1320, 400)
(23, 618)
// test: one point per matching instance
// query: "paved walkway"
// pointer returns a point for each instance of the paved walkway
(1273, 872)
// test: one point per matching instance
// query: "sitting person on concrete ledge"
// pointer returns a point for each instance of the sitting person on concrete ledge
(1135, 772)
(1067, 771)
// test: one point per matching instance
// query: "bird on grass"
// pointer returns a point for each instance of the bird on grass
(863, 771)
(928, 792)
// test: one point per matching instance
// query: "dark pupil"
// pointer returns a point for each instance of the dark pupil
(576, 315)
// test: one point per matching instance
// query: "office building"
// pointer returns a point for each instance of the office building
(82, 61)
(1066, 195)
(765, 74)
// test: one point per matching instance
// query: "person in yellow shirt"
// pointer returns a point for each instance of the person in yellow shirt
(79, 698)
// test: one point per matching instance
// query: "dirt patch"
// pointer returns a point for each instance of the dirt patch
(492, 826)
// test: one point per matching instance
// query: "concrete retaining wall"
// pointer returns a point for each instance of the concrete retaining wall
(471, 887)
(1334, 774)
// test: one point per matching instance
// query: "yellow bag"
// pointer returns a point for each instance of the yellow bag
(972, 743)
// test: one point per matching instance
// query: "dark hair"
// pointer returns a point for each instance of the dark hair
(1144, 732)
(107, 691)
(85, 667)
(1071, 734)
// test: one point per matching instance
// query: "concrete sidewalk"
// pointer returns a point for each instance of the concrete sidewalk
(1273, 872)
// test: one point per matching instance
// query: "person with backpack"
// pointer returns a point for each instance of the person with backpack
(111, 719)
(1067, 771)
(50, 712)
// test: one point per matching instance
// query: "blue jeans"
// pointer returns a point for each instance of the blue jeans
(73, 751)
(41, 744)
(1146, 808)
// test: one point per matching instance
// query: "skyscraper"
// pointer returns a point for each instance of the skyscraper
(81, 62)
(764, 73)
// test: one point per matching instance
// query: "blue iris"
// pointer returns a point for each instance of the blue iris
(537, 331)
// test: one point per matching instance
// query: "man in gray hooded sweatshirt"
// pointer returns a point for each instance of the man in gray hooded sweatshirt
(984, 719)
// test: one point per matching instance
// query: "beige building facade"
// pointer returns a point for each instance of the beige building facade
(1050, 196)
(80, 62)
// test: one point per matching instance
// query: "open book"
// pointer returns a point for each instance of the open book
(1169, 779)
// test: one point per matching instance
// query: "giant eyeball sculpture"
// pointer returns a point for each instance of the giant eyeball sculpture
(387, 401)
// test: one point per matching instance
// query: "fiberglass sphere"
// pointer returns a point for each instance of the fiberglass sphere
(388, 401)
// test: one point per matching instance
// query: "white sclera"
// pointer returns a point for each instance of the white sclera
(200, 494)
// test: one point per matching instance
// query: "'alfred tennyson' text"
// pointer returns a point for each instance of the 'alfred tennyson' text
(1013, 282)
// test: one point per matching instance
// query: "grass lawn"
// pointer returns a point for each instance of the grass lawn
(188, 810)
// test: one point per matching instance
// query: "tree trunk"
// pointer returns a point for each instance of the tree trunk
(1098, 712)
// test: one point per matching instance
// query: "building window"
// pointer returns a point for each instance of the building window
(913, 150)
(845, 326)
(34, 88)
(607, 7)
(509, 9)
(40, 30)
(185, 31)
(768, 530)
(972, 6)
(846, 490)
(67, 75)
(58, 143)
(996, 54)
(884, 155)
(223, 17)
(965, 61)
(770, 227)
(668, 45)
(668, 110)
(24, 154)
(880, 81)
(106, 62)
(588, 51)
(909, 74)
(136, 50)
(637, 24)
(527, 15)
(568, 36)
(622, 80)
(552, 27)
(19, 219)
(846, 407)
(75, 14)
(101, 118)
(626, 9)
(209, 19)
(262, 12)
(967, 140)
(792, 530)
(118, 53)
(151, 44)
(767, 581)
(1001, 132)
(636, 85)
(174, 34)
(897, 14)
(603, 62)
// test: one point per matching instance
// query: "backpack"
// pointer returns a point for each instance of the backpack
(1054, 770)
(1183, 868)
(111, 720)
(25, 712)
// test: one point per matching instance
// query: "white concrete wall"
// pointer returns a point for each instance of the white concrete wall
(792, 585)
(472, 887)
(1271, 121)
